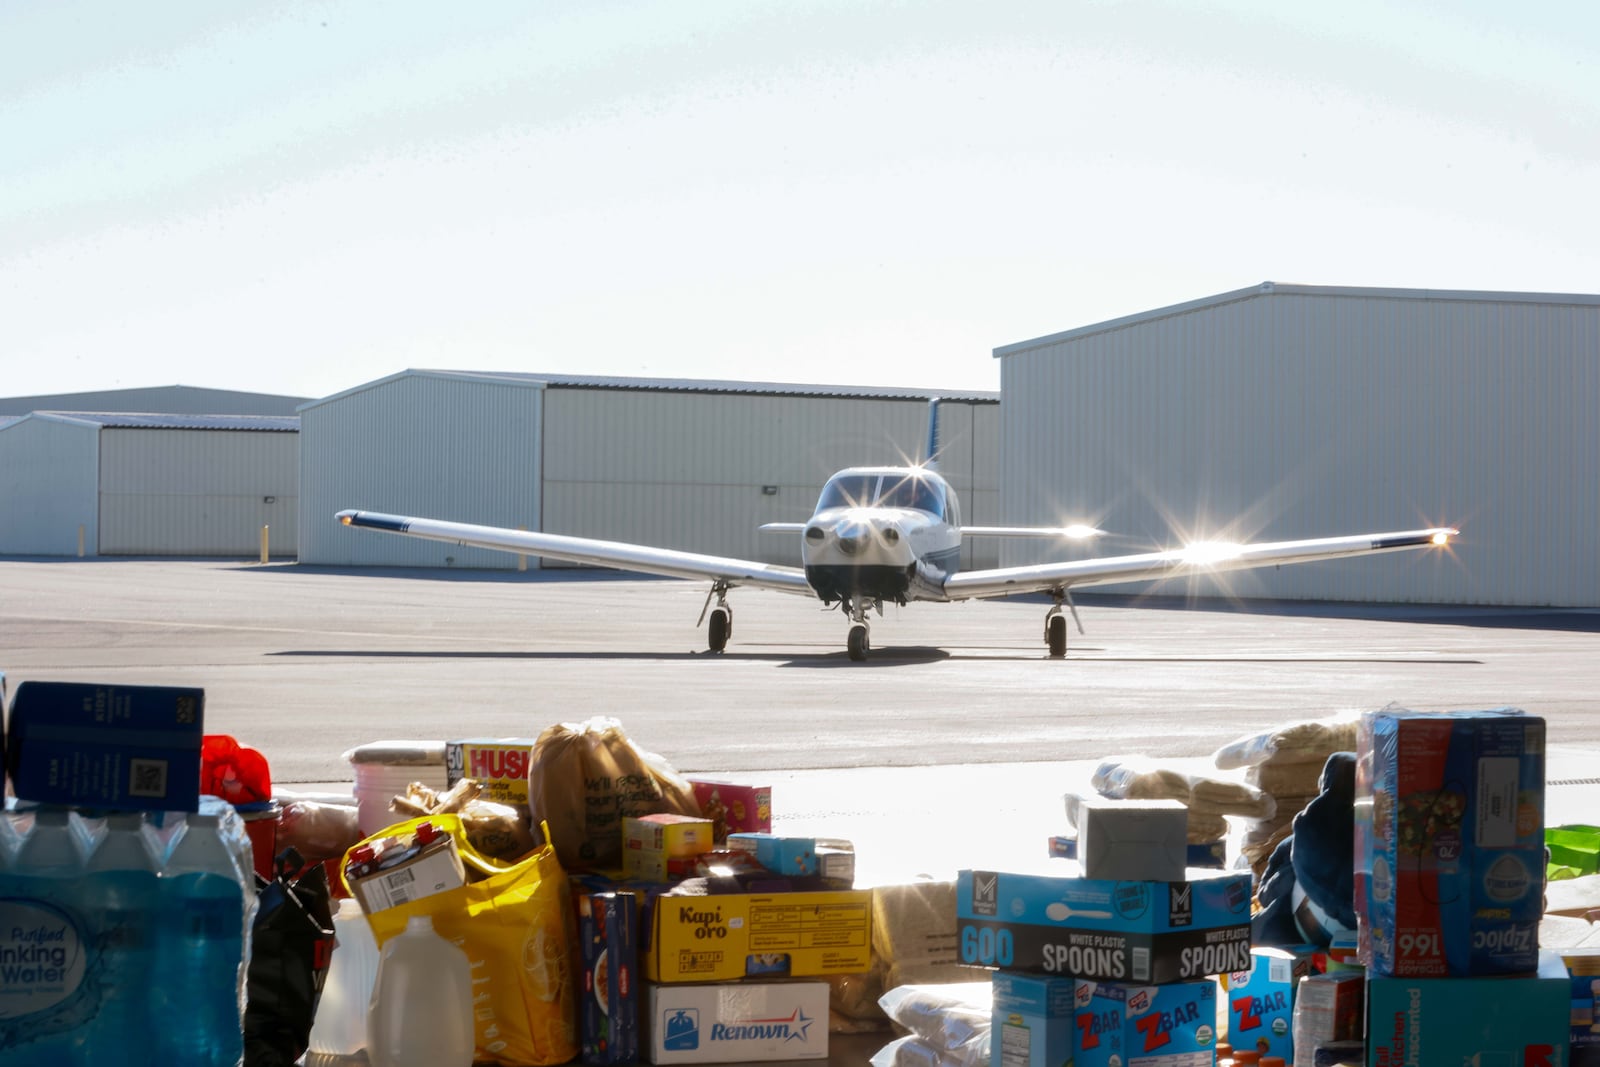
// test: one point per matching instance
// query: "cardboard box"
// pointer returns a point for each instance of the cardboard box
(736, 1022)
(130, 747)
(1583, 969)
(1032, 1021)
(1133, 840)
(1328, 1009)
(651, 842)
(733, 935)
(608, 943)
(435, 869)
(733, 807)
(1208, 854)
(1521, 1020)
(1449, 839)
(499, 763)
(777, 853)
(1261, 1000)
(1122, 1025)
(1155, 932)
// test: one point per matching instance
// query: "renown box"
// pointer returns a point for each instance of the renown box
(1521, 1020)
(1171, 1025)
(736, 1022)
(499, 763)
(608, 941)
(1449, 842)
(1261, 1000)
(733, 806)
(107, 746)
(1106, 930)
(730, 935)
(1031, 1021)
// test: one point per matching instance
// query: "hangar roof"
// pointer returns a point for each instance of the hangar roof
(1266, 289)
(126, 420)
(681, 385)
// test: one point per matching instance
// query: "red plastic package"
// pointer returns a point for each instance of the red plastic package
(234, 772)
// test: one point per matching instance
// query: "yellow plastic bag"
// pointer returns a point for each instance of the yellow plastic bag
(515, 925)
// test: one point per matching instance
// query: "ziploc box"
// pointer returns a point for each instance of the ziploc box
(727, 936)
(1261, 1000)
(500, 764)
(1449, 842)
(1031, 1021)
(736, 1022)
(733, 807)
(1172, 1025)
(1132, 839)
(1105, 930)
(608, 942)
(1521, 1020)
(107, 746)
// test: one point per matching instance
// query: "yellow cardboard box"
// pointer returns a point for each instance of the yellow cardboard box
(729, 936)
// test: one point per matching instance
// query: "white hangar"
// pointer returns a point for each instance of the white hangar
(1292, 411)
(128, 484)
(688, 464)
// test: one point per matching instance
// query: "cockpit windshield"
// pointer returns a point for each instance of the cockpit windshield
(895, 489)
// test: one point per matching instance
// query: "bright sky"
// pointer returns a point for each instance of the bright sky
(300, 197)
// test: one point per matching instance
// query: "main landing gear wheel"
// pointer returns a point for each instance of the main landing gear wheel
(858, 644)
(1055, 635)
(718, 629)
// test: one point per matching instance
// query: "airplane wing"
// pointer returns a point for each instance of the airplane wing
(1076, 532)
(1200, 558)
(618, 554)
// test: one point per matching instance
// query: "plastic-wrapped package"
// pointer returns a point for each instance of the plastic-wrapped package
(1140, 778)
(950, 1022)
(1311, 741)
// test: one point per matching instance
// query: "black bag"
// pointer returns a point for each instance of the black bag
(291, 944)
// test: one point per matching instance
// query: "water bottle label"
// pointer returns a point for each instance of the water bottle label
(42, 958)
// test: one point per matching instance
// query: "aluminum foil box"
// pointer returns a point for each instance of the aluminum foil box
(1449, 842)
(1149, 932)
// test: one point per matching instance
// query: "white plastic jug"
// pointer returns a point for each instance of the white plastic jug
(421, 1010)
(340, 1028)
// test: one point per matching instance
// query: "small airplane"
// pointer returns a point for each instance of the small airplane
(894, 534)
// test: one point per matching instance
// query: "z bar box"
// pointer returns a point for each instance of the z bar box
(1449, 842)
(1120, 1025)
(1148, 932)
(107, 746)
(736, 1022)
(1261, 1000)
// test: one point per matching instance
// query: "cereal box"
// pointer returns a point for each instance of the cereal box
(733, 807)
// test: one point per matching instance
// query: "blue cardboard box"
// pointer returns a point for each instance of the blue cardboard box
(1032, 1021)
(1521, 1020)
(1449, 842)
(1583, 965)
(1148, 932)
(778, 853)
(1261, 1000)
(1171, 1025)
(608, 942)
(133, 747)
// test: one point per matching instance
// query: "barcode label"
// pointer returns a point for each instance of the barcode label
(147, 778)
(1141, 965)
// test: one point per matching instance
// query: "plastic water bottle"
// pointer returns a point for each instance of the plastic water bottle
(340, 1028)
(200, 977)
(421, 1011)
(122, 878)
(46, 943)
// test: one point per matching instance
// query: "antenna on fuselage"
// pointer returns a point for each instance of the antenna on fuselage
(930, 449)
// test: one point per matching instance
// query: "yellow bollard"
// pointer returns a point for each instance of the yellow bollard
(264, 530)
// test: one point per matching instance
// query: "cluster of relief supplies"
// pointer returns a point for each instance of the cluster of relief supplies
(572, 897)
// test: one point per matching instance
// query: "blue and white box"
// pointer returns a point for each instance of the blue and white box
(1145, 932)
(1172, 1025)
(736, 1022)
(1261, 1000)
(1031, 1021)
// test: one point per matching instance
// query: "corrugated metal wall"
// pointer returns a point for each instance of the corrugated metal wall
(437, 445)
(1286, 415)
(688, 470)
(48, 478)
(197, 492)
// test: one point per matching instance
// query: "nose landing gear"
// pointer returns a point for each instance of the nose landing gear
(859, 642)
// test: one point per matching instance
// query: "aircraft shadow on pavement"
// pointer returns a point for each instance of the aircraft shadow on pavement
(888, 657)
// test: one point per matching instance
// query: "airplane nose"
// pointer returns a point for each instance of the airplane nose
(852, 538)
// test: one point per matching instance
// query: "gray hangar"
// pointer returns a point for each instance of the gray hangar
(679, 463)
(1290, 411)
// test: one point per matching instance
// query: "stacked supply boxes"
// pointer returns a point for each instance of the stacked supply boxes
(1127, 948)
(1449, 858)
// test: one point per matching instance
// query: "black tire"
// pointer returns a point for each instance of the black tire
(1055, 635)
(858, 644)
(718, 629)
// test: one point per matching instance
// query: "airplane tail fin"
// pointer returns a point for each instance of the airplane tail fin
(930, 449)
